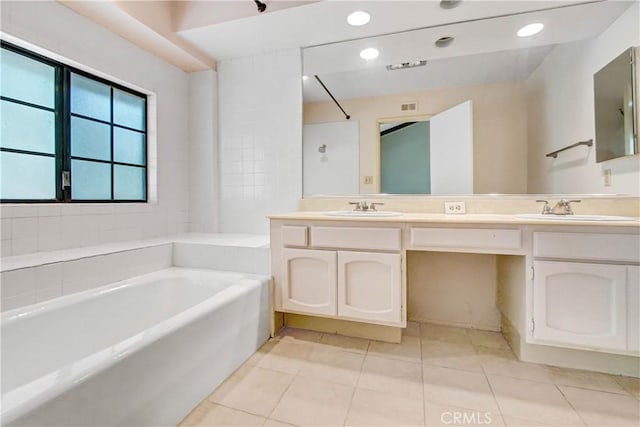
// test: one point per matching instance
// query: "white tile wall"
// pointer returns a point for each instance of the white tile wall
(73, 38)
(203, 162)
(39, 283)
(260, 139)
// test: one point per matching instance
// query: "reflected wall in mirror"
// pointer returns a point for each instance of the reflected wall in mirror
(616, 121)
(529, 96)
(428, 155)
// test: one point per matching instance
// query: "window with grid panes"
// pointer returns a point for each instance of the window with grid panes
(67, 135)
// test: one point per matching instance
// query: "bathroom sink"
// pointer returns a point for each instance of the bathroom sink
(353, 213)
(577, 217)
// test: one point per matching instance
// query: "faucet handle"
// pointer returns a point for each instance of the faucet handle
(567, 204)
(374, 204)
(545, 209)
(358, 206)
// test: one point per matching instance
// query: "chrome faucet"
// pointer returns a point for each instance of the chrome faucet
(563, 207)
(364, 206)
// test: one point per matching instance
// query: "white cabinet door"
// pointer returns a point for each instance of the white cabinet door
(633, 308)
(309, 281)
(580, 304)
(369, 286)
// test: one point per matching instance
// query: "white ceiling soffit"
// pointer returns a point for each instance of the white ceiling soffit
(460, 71)
(483, 36)
(325, 22)
(120, 18)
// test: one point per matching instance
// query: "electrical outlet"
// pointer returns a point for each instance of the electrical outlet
(368, 179)
(607, 177)
(454, 208)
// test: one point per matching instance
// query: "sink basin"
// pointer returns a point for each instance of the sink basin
(363, 213)
(577, 217)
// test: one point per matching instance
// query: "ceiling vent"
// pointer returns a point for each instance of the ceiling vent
(409, 106)
(403, 65)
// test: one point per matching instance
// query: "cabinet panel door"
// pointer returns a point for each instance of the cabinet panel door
(633, 308)
(369, 286)
(580, 304)
(309, 281)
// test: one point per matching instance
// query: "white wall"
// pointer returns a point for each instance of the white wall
(336, 170)
(30, 228)
(260, 116)
(561, 112)
(203, 160)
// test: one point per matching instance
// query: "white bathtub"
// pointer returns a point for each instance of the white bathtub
(144, 351)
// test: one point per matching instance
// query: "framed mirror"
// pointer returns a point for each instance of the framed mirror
(529, 96)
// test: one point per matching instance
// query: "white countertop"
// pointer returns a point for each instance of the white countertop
(413, 217)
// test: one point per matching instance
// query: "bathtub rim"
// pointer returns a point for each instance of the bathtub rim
(26, 397)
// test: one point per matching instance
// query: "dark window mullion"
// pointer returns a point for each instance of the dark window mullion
(31, 153)
(113, 171)
(65, 120)
(30, 104)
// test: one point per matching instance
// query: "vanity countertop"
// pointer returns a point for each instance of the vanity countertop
(412, 217)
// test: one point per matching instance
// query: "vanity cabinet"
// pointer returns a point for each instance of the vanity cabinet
(369, 286)
(309, 281)
(586, 300)
(361, 282)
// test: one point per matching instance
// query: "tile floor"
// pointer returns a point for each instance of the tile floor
(437, 376)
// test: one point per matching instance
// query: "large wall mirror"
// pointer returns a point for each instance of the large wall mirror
(488, 106)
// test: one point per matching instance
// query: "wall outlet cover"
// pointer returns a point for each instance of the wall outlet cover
(455, 208)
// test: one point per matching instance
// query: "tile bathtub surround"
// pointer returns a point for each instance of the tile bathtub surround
(40, 283)
(33, 278)
(437, 376)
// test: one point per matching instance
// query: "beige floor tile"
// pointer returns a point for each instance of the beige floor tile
(358, 345)
(630, 384)
(396, 377)
(298, 336)
(447, 415)
(517, 369)
(274, 423)
(412, 330)
(328, 364)
(585, 379)
(372, 408)
(451, 355)
(531, 400)
(454, 387)
(599, 408)
(286, 357)
(408, 349)
(488, 339)
(211, 414)
(450, 334)
(252, 389)
(517, 422)
(494, 352)
(262, 351)
(310, 402)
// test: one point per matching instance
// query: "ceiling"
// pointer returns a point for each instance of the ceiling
(194, 35)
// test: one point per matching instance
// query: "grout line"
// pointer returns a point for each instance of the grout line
(486, 377)
(570, 404)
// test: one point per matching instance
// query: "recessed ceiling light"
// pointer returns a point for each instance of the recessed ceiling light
(529, 30)
(449, 4)
(369, 53)
(444, 41)
(358, 18)
(305, 77)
